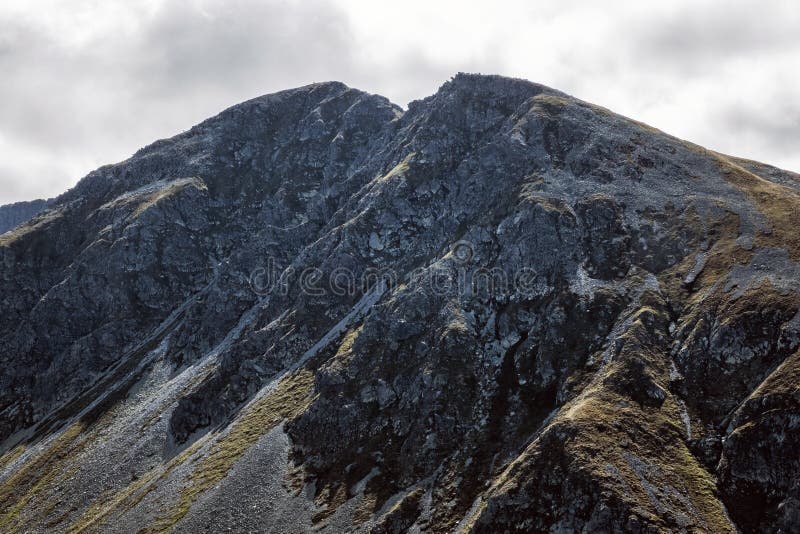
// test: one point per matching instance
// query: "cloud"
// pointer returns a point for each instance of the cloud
(33, 172)
(87, 83)
(241, 43)
(706, 33)
(143, 73)
(778, 126)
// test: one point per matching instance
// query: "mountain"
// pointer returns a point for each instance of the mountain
(12, 215)
(500, 310)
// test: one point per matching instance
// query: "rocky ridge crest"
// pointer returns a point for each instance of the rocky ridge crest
(578, 323)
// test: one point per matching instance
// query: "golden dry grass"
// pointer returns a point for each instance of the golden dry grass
(11, 455)
(37, 476)
(779, 204)
(636, 453)
(40, 221)
(131, 495)
(290, 398)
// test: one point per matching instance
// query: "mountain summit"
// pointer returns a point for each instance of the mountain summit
(501, 310)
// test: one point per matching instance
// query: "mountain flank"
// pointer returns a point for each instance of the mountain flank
(12, 215)
(500, 310)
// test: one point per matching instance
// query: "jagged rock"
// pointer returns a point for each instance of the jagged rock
(502, 309)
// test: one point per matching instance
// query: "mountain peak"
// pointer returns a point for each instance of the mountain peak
(502, 310)
(495, 82)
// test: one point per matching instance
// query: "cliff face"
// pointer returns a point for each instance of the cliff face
(503, 309)
(12, 215)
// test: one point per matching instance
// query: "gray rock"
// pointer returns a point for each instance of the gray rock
(545, 317)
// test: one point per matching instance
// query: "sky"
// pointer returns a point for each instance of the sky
(84, 83)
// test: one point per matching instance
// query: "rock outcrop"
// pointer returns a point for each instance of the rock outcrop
(500, 310)
(12, 215)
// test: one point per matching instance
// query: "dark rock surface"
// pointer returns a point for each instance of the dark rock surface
(12, 215)
(503, 309)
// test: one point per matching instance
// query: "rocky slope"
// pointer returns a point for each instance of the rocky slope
(12, 215)
(501, 310)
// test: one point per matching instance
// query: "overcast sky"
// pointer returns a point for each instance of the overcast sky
(87, 82)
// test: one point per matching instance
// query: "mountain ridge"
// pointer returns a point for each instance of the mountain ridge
(635, 380)
(14, 214)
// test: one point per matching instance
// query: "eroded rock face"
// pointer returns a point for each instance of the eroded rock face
(12, 215)
(503, 309)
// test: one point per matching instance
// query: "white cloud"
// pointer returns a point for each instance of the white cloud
(87, 82)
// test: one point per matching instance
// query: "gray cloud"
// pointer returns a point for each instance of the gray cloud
(242, 43)
(200, 54)
(780, 127)
(163, 71)
(712, 31)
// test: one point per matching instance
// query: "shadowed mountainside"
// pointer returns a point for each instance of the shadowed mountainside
(574, 322)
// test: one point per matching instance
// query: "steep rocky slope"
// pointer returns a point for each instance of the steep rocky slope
(503, 309)
(12, 215)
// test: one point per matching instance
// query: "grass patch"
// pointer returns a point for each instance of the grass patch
(654, 470)
(347, 343)
(11, 455)
(403, 514)
(779, 204)
(628, 454)
(399, 169)
(39, 222)
(131, 495)
(36, 476)
(290, 398)
(167, 191)
(785, 380)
